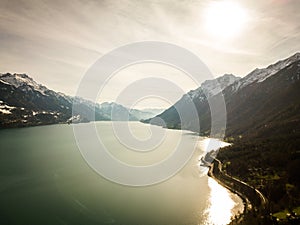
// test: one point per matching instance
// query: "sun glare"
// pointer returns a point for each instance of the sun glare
(224, 19)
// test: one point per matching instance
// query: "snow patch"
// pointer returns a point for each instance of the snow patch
(6, 109)
(4, 82)
(74, 119)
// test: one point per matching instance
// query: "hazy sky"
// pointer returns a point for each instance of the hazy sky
(55, 42)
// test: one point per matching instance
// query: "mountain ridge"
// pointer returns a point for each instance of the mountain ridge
(200, 99)
(24, 102)
(247, 99)
(261, 74)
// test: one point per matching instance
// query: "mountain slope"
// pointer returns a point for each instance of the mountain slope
(199, 98)
(116, 112)
(143, 114)
(270, 104)
(264, 126)
(23, 102)
(264, 101)
(30, 103)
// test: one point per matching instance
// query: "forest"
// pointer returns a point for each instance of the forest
(271, 165)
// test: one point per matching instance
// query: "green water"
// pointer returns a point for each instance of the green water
(45, 180)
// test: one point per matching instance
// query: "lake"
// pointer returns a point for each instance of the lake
(45, 180)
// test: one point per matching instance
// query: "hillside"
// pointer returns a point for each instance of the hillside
(264, 101)
(23, 103)
(199, 99)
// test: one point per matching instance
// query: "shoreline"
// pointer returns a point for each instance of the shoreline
(252, 198)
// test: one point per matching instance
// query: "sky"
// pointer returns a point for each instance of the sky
(56, 42)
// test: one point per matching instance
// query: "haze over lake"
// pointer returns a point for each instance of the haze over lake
(44, 179)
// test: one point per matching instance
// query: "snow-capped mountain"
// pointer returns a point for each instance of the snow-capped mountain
(24, 102)
(23, 82)
(212, 87)
(260, 75)
(264, 101)
(199, 98)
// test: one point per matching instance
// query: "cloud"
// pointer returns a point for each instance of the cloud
(62, 39)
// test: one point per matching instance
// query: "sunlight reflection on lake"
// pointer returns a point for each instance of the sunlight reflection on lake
(45, 180)
(223, 204)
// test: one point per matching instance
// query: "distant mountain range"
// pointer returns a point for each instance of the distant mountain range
(23, 102)
(263, 102)
(266, 100)
(114, 111)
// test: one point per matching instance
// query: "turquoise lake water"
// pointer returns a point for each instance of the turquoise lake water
(45, 180)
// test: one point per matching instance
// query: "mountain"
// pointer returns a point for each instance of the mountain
(263, 111)
(198, 98)
(215, 86)
(24, 102)
(264, 101)
(143, 114)
(154, 111)
(263, 125)
(259, 75)
(116, 112)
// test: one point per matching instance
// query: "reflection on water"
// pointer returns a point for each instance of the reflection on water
(213, 144)
(223, 204)
(52, 184)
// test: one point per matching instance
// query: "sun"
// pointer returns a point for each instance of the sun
(224, 19)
